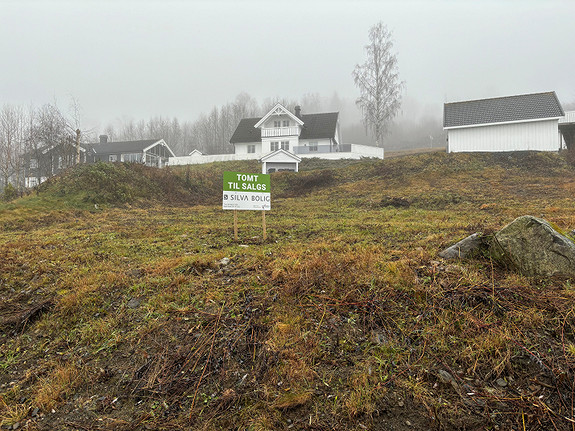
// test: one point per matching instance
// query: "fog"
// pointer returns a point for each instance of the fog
(137, 59)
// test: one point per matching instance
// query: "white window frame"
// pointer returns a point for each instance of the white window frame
(277, 123)
(112, 157)
(251, 148)
(132, 157)
(274, 145)
(312, 147)
(285, 123)
(33, 163)
(285, 145)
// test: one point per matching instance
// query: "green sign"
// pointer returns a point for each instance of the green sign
(246, 191)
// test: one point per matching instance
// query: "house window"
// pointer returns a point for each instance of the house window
(285, 145)
(312, 146)
(251, 148)
(112, 158)
(33, 163)
(277, 123)
(59, 162)
(286, 123)
(133, 157)
(274, 146)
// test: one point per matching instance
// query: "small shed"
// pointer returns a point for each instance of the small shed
(512, 123)
(280, 160)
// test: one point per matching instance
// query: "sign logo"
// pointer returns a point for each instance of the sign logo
(246, 191)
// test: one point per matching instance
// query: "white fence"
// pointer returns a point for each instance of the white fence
(357, 152)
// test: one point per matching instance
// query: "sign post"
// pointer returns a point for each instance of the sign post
(246, 192)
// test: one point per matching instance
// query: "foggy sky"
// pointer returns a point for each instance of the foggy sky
(138, 59)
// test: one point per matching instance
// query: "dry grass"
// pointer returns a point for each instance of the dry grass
(57, 386)
(344, 313)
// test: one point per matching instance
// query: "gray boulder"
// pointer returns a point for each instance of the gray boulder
(467, 247)
(535, 248)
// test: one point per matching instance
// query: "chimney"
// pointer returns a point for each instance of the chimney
(103, 139)
(298, 111)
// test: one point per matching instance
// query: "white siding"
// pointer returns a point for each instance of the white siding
(243, 147)
(535, 135)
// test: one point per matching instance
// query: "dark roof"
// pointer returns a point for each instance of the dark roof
(316, 126)
(123, 147)
(246, 132)
(502, 109)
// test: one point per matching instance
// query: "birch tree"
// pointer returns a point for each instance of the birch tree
(378, 82)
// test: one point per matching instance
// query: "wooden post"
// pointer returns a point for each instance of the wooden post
(264, 224)
(235, 225)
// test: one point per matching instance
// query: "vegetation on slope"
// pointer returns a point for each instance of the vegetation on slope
(145, 314)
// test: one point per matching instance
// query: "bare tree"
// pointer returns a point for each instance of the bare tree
(11, 143)
(378, 82)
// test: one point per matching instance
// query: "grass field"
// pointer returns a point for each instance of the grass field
(126, 304)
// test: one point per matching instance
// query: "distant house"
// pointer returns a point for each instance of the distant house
(294, 132)
(512, 123)
(302, 135)
(150, 152)
(47, 161)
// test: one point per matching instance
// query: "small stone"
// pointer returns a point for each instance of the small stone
(408, 423)
(134, 303)
(16, 426)
(401, 404)
(501, 382)
(445, 376)
(535, 388)
(137, 273)
(225, 261)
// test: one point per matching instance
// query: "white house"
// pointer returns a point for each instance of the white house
(303, 135)
(512, 123)
(294, 132)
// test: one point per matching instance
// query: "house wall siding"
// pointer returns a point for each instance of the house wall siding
(535, 136)
(242, 148)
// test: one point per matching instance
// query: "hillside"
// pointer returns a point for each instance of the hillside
(125, 304)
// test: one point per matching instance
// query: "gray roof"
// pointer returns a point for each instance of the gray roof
(121, 147)
(502, 109)
(316, 126)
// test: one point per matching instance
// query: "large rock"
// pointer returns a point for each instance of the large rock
(535, 248)
(467, 247)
